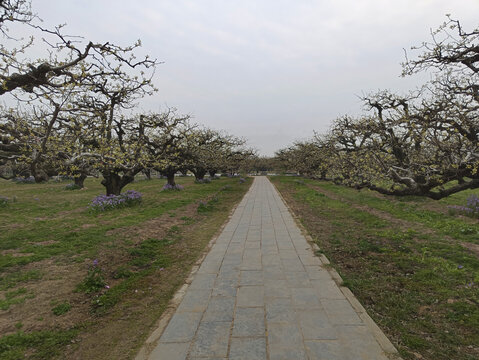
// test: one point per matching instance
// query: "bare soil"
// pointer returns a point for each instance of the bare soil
(474, 248)
(57, 285)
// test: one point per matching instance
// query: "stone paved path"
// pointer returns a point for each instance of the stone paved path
(261, 293)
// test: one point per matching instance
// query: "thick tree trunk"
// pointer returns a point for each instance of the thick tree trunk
(114, 183)
(199, 174)
(39, 175)
(147, 173)
(212, 173)
(170, 176)
(79, 180)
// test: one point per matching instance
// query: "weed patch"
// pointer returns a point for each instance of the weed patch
(61, 309)
(94, 281)
(40, 344)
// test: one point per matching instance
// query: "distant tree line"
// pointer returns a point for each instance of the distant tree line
(74, 112)
(425, 143)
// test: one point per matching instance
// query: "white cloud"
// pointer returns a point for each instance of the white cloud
(269, 70)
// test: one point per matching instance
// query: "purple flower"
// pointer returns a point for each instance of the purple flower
(108, 202)
(95, 262)
(172, 187)
(470, 209)
(28, 180)
(460, 266)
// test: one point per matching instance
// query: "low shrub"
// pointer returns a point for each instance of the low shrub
(109, 202)
(94, 281)
(203, 181)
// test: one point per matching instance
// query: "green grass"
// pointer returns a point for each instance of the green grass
(407, 267)
(412, 209)
(47, 344)
(62, 308)
(43, 207)
(48, 226)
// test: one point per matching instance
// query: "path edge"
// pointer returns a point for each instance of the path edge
(152, 340)
(383, 341)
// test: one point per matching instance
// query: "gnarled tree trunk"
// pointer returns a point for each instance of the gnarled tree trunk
(199, 173)
(114, 183)
(147, 173)
(39, 175)
(79, 180)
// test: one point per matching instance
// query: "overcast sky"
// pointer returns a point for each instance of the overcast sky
(269, 70)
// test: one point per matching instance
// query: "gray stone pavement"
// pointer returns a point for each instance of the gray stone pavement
(261, 293)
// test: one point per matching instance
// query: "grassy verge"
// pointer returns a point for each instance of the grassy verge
(411, 264)
(80, 285)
